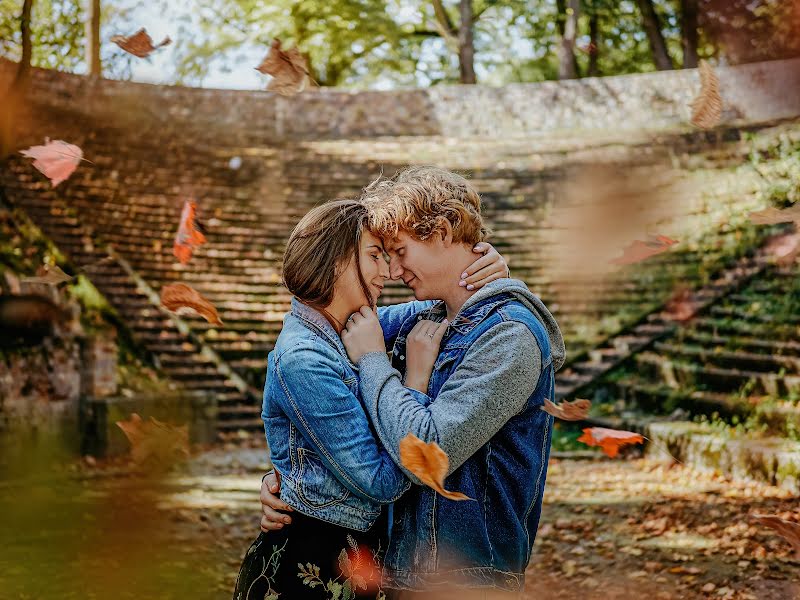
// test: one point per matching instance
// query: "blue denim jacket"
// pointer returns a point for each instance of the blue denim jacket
(483, 407)
(321, 441)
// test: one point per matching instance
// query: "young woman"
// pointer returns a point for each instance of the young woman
(335, 474)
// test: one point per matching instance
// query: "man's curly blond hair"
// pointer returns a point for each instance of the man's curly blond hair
(419, 200)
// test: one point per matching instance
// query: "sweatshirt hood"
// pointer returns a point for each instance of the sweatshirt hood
(533, 303)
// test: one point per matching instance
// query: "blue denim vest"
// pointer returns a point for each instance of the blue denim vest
(320, 438)
(486, 543)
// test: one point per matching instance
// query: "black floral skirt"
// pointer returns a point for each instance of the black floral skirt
(316, 560)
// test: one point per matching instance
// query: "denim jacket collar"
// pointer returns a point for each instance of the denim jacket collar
(316, 320)
(467, 320)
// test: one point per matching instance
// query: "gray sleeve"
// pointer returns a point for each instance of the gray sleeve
(493, 382)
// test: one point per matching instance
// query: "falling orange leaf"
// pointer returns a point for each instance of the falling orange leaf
(188, 237)
(576, 410)
(639, 250)
(773, 216)
(707, 107)
(788, 530)
(288, 69)
(429, 463)
(610, 440)
(180, 295)
(154, 442)
(57, 159)
(139, 44)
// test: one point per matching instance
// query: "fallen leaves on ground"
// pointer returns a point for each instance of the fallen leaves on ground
(139, 44)
(429, 463)
(155, 443)
(577, 410)
(609, 440)
(179, 295)
(57, 159)
(288, 68)
(784, 248)
(641, 250)
(189, 236)
(707, 107)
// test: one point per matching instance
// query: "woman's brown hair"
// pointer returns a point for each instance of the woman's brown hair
(319, 250)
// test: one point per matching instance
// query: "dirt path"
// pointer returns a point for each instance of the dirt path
(610, 529)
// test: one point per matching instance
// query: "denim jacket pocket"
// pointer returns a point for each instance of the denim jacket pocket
(317, 485)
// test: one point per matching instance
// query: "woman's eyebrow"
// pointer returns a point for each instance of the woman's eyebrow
(375, 246)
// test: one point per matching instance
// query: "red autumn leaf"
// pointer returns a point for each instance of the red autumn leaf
(139, 44)
(288, 69)
(155, 442)
(576, 410)
(56, 159)
(681, 307)
(610, 440)
(188, 236)
(639, 250)
(429, 463)
(180, 295)
(788, 530)
(773, 216)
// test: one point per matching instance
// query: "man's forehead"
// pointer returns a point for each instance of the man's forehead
(391, 243)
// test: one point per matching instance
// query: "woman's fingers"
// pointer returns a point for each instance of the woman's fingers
(483, 261)
(438, 332)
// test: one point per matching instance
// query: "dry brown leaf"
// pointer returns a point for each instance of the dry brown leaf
(641, 250)
(681, 306)
(429, 463)
(57, 159)
(49, 274)
(189, 236)
(577, 410)
(288, 68)
(154, 442)
(788, 530)
(707, 107)
(784, 248)
(139, 44)
(773, 216)
(610, 440)
(180, 295)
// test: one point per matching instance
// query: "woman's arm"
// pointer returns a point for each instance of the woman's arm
(333, 420)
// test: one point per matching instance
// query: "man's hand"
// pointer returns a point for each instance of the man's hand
(422, 349)
(271, 519)
(362, 334)
(489, 267)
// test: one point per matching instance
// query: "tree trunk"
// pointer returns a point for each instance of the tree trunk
(594, 44)
(689, 37)
(16, 91)
(652, 28)
(466, 46)
(567, 65)
(93, 38)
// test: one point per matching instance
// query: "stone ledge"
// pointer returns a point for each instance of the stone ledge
(770, 460)
(100, 435)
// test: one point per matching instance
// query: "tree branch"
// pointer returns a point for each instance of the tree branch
(447, 30)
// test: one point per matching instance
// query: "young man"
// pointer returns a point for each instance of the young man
(496, 365)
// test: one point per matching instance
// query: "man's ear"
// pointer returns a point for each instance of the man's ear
(446, 233)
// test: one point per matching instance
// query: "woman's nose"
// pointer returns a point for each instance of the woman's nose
(395, 270)
(384, 269)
